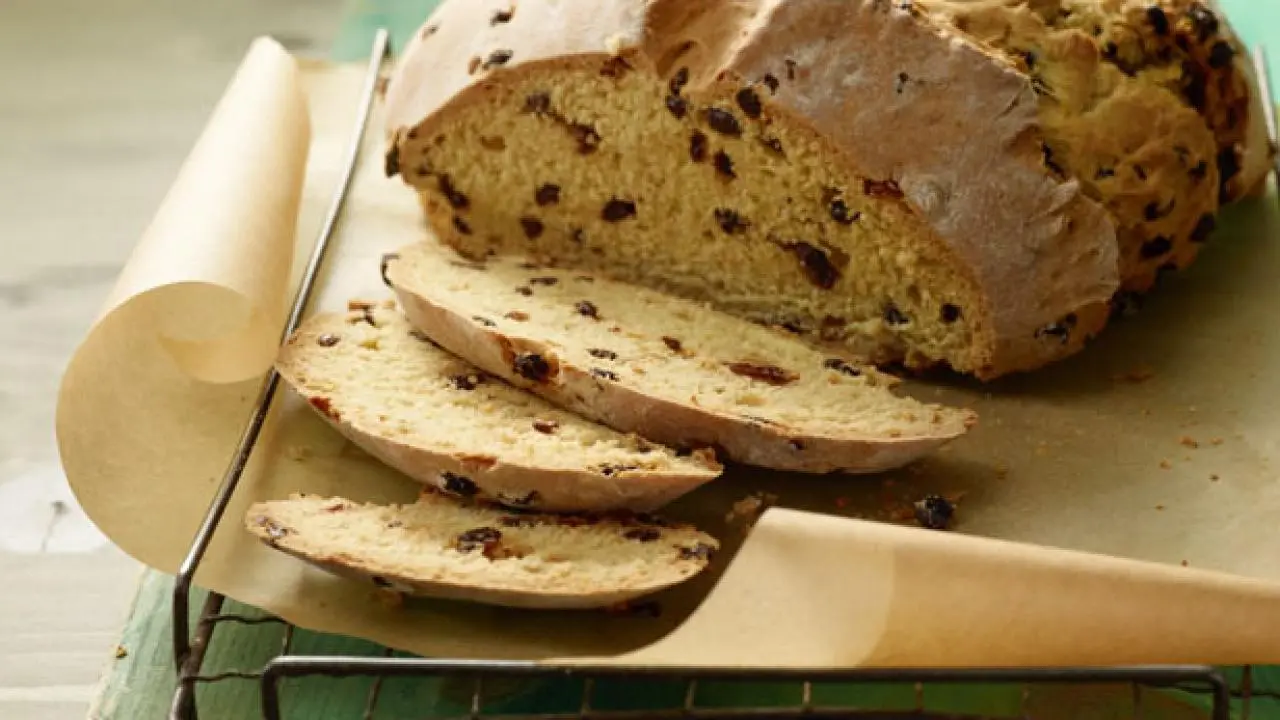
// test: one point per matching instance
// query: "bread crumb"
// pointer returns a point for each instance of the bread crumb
(1216, 441)
(1137, 375)
(1184, 563)
(1159, 507)
(1002, 471)
(1214, 477)
(1165, 465)
(121, 652)
(749, 509)
(1188, 441)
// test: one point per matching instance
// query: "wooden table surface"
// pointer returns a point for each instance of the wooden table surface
(104, 108)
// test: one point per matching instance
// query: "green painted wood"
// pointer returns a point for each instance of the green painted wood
(140, 685)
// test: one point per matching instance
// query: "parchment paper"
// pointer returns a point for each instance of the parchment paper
(1093, 455)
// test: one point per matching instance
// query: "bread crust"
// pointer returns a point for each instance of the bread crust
(630, 409)
(518, 485)
(264, 521)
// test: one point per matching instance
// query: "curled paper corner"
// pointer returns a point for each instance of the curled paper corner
(196, 312)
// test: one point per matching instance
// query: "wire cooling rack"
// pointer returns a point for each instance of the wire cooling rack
(684, 686)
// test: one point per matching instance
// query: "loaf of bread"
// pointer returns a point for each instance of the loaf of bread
(966, 183)
(447, 424)
(442, 548)
(666, 368)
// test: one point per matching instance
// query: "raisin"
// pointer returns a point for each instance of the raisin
(1204, 228)
(901, 83)
(700, 551)
(618, 210)
(525, 291)
(1104, 173)
(548, 194)
(881, 189)
(723, 122)
(1049, 161)
(1221, 55)
(935, 512)
(532, 366)
(1205, 22)
(467, 382)
(1029, 57)
(950, 313)
(602, 354)
(484, 537)
(498, 58)
(615, 67)
(840, 212)
(749, 101)
(517, 315)
(775, 145)
(679, 80)
(537, 103)
(893, 316)
(1159, 21)
(611, 470)
(643, 535)
(456, 199)
(730, 221)
(322, 404)
(587, 137)
(391, 164)
(672, 344)
(1156, 247)
(1140, 172)
(546, 427)
(533, 497)
(578, 235)
(586, 308)
(791, 69)
(1040, 86)
(328, 340)
(605, 374)
(771, 81)
(771, 374)
(1060, 330)
(842, 367)
(817, 266)
(1153, 212)
(1228, 164)
(461, 225)
(724, 165)
(698, 146)
(677, 106)
(547, 281)
(501, 16)
(532, 227)
(459, 485)
(1194, 85)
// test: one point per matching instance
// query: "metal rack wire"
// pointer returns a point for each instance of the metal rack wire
(190, 648)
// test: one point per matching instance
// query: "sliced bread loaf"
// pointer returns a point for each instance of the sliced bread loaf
(669, 369)
(853, 170)
(445, 423)
(442, 548)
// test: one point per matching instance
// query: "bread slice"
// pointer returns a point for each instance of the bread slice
(854, 170)
(445, 423)
(669, 369)
(442, 548)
